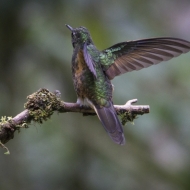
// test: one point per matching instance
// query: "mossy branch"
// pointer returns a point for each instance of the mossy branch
(43, 103)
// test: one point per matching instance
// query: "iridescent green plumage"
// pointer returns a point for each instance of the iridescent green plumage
(92, 70)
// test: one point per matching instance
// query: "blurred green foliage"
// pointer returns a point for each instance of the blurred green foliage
(74, 152)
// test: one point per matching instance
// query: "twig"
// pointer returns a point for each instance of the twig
(42, 104)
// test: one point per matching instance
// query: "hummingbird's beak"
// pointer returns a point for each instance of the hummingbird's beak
(69, 27)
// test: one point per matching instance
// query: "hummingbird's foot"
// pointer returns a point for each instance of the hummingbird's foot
(84, 104)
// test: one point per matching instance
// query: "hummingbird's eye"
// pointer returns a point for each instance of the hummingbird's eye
(74, 35)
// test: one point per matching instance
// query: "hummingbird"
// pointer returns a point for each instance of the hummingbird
(93, 70)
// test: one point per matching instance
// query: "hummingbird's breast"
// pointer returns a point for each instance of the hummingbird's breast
(82, 77)
(98, 89)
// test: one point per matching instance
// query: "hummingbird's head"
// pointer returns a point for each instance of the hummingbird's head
(79, 36)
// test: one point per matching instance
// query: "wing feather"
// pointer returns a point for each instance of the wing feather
(136, 55)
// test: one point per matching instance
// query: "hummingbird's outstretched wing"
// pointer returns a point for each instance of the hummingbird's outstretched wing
(111, 123)
(135, 55)
(89, 61)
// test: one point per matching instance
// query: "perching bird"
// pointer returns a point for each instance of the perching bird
(93, 69)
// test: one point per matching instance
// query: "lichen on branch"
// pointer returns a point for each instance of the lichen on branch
(42, 104)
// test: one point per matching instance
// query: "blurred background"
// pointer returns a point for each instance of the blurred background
(74, 152)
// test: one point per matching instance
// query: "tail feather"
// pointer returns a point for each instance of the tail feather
(111, 123)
